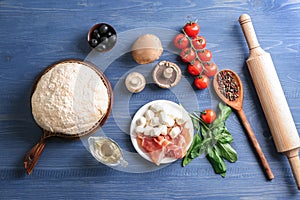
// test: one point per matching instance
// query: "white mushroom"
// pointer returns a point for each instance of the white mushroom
(146, 49)
(166, 74)
(135, 82)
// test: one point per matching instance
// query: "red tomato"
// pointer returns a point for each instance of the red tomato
(210, 68)
(187, 55)
(196, 68)
(199, 42)
(208, 116)
(180, 41)
(205, 55)
(201, 82)
(191, 29)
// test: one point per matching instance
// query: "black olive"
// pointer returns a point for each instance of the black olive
(94, 42)
(112, 39)
(103, 29)
(96, 36)
(109, 34)
(103, 40)
(101, 47)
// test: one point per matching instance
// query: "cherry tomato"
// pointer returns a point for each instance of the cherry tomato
(208, 116)
(210, 68)
(187, 55)
(201, 82)
(180, 41)
(199, 42)
(191, 29)
(195, 68)
(205, 55)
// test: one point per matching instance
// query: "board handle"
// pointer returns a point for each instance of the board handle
(32, 157)
(259, 152)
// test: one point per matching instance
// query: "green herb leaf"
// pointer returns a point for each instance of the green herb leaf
(224, 137)
(195, 123)
(227, 152)
(225, 111)
(193, 151)
(205, 132)
(213, 140)
(216, 161)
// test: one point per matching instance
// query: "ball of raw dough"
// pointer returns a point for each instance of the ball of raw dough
(146, 49)
(70, 98)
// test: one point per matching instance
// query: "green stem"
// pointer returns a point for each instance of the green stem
(191, 44)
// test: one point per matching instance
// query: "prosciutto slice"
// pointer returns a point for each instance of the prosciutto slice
(164, 146)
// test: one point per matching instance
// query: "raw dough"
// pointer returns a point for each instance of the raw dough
(70, 98)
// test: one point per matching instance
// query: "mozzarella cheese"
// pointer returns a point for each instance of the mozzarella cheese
(157, 121)
(175, 132)
(149, 114)
(141, 122)
(154, 121)
(156, 108)
(139, 129)
(148, 131)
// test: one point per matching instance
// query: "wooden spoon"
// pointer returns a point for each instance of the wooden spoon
(235, 101)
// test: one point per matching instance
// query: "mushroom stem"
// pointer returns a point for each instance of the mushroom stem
(135, 81)
(168, 72)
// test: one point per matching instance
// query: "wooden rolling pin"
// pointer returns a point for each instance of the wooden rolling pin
(272, 98)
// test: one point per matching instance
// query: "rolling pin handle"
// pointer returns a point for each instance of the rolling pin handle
(293, 157)
(249, 32)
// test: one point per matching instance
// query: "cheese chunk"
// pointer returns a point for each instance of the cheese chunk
(163, 129)
(154, 121)
(156, 108)
(175, 132)
(148, 131)
(139, 129)
(166, 119)
(156, 132)
(179, 121)
(149, 114)
(141, 122)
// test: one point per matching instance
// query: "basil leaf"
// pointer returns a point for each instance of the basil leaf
(224, 137)
(216, 162)
(225, 111)
(205, 145)
(193, 151)
(205, 132)
(195, 123)
(227, 152)
(213, 140)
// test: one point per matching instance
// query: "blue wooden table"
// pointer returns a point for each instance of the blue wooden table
(35, 34)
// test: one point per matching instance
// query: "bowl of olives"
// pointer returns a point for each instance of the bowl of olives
(102, 37)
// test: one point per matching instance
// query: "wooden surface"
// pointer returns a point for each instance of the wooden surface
(34, 34)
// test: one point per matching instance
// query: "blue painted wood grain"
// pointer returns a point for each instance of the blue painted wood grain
(35, 34)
